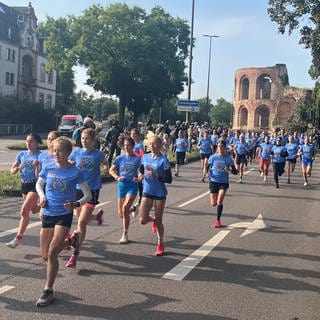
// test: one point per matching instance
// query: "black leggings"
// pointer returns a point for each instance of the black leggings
(278, 170)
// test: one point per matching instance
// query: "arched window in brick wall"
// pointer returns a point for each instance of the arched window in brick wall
(263, 87)
(262, 117)
(244, 88)
(243, 116)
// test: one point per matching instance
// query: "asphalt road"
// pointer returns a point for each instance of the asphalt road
(263, 265)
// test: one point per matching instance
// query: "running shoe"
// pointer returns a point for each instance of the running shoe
(99, 219)
(153, 227)
(265, 179)
(45, 299)
(202, 179)
(240, 180)
(124, 239)
(134, 210)
(305, 184)
(72, 261)
(261, 173)
(13, 243)
(160, 250)
(176, 174)
(217, 224)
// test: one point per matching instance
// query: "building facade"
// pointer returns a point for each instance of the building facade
(263, 99)
(23, 58)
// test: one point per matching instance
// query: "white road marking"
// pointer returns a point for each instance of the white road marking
(5, 289)
(180, 271)
(36, 224)
(192, 200)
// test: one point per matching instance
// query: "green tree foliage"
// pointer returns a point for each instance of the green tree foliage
(292, 14)
(220, 113)
(139, 58)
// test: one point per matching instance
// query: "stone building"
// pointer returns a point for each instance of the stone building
(23, 58)
(263, 99)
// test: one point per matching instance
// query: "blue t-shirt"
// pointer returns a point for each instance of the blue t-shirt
(89, 163)
(292, 149)
(45, 158)
(217, 164)
(26, 165)
(157, 166)
(127, 167)
(214, 139)
(265, 150)
(307, 152)
(181, 144)
(205, 145)
(138, 147)
(277, 152)
(60, 187)
(241, 148)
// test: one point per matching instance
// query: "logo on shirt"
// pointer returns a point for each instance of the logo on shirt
(28, 166)
(87, 164)
(59, 184)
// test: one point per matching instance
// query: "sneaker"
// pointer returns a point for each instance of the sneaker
(45, 299)
(261, 174)
(305, 184)
(265, 179)
(124, 239)
(202, 179)
(160, 250)
(72, 261)
(154, 227)
(176, 174)
(99, 219)
(13, 243)
(134, 210)
(240, 180)
(217, 224)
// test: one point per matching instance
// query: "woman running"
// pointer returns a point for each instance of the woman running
(292, 149)
(264, 156)
(27, 163)
(307, 153)
(156, 171)
(88, 160)
(181, 146)
(278, 157)
(219, 166)
(58, 201)
(205, 147)
(46, 157)
(125, 170)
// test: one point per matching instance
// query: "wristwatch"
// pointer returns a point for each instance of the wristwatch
(76, 204)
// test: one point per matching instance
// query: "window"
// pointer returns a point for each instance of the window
(11, 55)
(20, 18)
(41, 98)
(9, 79)
(42, 73)
(50, 78)
(49, 101)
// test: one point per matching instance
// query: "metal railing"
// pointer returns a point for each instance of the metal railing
(15, 129)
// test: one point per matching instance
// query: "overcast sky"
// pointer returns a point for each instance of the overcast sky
(247, 38)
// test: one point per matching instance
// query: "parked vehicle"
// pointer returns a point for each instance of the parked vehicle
(69, 123)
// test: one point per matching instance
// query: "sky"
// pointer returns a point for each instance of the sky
(247, 38)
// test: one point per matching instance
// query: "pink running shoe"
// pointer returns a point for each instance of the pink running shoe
(160, 250)
(217, 224)
(153, 227)
(99, 219)
(72, 262)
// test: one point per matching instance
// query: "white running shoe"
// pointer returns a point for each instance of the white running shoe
(13, 243)
(305, 184)
(265, 179)
(124, 239)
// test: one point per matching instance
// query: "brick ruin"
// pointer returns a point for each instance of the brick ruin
(263, 99)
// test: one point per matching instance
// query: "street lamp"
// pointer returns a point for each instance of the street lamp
(209, 65)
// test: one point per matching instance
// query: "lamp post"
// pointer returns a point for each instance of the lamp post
(209, 65)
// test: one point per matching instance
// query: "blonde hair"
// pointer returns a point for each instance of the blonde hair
(64, 142)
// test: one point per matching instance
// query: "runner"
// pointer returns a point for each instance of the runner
(156, 171)
(264, 156)
(241, 148)
(219, 165)
(27, 163)
(58, 201)
(205, 147)
(292, 149)
(181, 146)
(125, 170)
(278, 157)
(46, 157)
(88, 160)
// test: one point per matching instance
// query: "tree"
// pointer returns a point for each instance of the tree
(139, 58)
(221, 113)
(292, 14)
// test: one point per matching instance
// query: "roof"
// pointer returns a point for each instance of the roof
(8, 21)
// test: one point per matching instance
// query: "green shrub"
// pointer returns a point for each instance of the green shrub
(9, 182)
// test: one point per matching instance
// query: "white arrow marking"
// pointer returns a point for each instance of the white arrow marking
(180, 271)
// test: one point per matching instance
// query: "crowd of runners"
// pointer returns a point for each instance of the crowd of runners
(65, 179)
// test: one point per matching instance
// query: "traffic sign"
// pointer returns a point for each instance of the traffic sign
(188, 105)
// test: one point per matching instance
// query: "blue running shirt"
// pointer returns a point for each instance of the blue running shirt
(26, 165)
(217, 164)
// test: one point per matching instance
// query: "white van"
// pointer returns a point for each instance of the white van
(69, 123)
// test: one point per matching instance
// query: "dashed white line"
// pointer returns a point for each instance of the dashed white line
(194, 199)
(5, 289)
